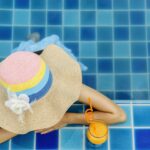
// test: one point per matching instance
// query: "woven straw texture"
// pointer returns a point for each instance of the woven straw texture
(65, 90)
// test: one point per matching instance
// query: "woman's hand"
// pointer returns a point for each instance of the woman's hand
(59, 125)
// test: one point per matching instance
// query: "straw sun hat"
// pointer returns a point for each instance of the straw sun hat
(36, 91)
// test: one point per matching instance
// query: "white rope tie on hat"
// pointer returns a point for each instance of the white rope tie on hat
(18, 104)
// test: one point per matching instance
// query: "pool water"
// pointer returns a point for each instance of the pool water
(112, 37)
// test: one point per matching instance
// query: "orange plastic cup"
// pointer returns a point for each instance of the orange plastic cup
(97, 132)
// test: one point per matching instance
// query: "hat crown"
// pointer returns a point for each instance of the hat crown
(19, 67)
(26, 73)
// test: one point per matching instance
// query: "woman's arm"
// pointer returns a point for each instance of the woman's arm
(107, 111)
(5, 135)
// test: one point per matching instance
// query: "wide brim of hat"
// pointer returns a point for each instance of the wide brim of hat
(49, 110)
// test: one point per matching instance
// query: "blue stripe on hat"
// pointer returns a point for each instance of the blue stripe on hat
(38, 87)
(43, 91)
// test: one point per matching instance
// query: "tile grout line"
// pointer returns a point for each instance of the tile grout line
(132, 126)
(46, 17)
(79, 57)
(62, 19)
(111, 127)
(12, 37)
(35, 9)
(113, 49)
(34, 144)
(59, 139)
(29, 30)
(131, 76)
(113, 67)
(148, 78)
(83, 133)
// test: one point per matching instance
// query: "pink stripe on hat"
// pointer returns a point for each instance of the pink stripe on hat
(15, 68)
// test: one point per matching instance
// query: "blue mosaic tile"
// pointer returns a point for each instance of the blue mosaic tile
(23, 142)
(54, 30)
(119, 79)
(148, 3)
(141, 115)
(47, 141)
(41, 4)
(104, 33)
(138, 49)
(139, 82)
(101, 4)
(104, 17)
(23, 5)
(105, 66)
(88, 4)
(6, 4)
(54, 18)
(104, 49)
(142, 139)
(5, 48)
(88, 49)
(122, 62)
(148, 49)
(137, 4)
(6, 33)
(71, 17)
(71, 4)
(148, 33)
(6, 17)
(87, 34)
(38, 17)
(121, 17)
(123, 4)
(123, 95)
(105, 82)
(85, 15)
(138, 95)
(71, 33)
(53, 4)
(90, 80)
(18, 30)
(136, 31)
(147, 17)
(21, 17)
(90, 63)
(121, 139)
(139, 66)
(74, 46)
(137, 17)
(4, 146)
(121, 49)
(121, 33)
(71, 139)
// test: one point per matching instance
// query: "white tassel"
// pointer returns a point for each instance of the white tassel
(18, 104)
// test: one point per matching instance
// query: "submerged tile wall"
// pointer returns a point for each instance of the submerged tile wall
(112, 37)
